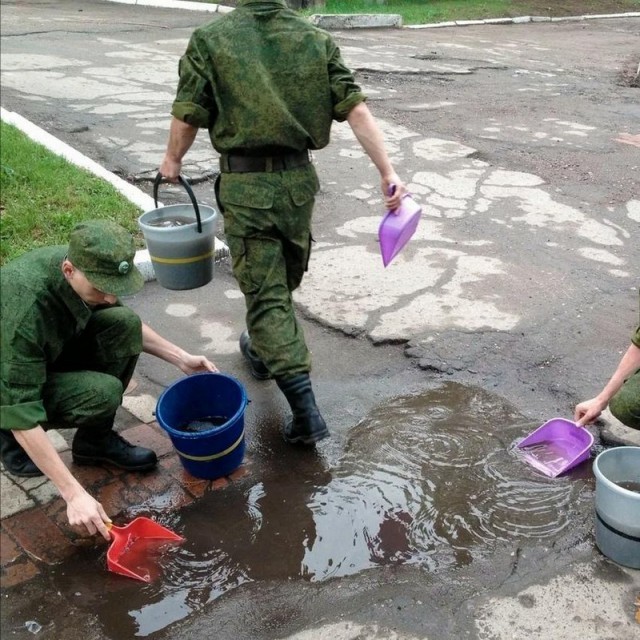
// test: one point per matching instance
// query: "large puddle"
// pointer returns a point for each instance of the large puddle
(433, 480)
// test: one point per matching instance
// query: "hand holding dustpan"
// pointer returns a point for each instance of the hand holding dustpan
(130, 550)
(397, 227)
(557, 446)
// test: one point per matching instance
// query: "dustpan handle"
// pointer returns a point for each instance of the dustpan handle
(183, 181)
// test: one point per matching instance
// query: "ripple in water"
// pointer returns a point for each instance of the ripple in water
(433, 479)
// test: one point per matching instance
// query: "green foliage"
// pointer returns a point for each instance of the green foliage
(429, 11)
(42, 197)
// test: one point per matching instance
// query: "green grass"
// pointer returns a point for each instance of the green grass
(429, 11)
(421, 12)
(42, 197)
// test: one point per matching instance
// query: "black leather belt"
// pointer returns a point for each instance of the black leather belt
(233, 163)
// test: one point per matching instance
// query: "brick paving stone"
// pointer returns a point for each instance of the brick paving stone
(29, 484)
(173, 499)
(239, 473)
(171, 464)
(117, 496)
(13, 498)
(219, 483)
(9, 551)
(141, 406)
(18, 573)
(195, 486)
(45, 493)
(89, 476)
(39, 536)
(152, 482)
(151, 436)
(56, 510)
(57, 440)
(161, 491)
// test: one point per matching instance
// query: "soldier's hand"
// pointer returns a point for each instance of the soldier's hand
(393, 190)
(84, 510)
(196, 364)
(588, 411)
(170, 169)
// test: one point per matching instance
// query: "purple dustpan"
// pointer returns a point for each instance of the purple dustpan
(397, 227)
(557, 446)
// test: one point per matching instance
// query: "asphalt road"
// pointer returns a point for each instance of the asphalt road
(521, 142)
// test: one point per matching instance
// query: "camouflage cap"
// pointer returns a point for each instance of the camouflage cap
(104, 252)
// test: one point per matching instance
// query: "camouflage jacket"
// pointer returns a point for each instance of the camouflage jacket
(40, 313)
(262, 78)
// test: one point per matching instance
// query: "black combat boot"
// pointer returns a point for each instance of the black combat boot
(306, 426)
(15, 458)
(90, 448)
(258, 369)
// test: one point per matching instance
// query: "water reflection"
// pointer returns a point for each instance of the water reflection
(433, 480)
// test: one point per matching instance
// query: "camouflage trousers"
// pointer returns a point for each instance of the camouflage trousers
(625, 405)
(267, 221)
(85, 384)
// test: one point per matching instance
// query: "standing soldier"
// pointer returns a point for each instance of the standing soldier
(267, 86)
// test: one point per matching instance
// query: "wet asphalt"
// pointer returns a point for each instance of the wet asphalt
(514, 301)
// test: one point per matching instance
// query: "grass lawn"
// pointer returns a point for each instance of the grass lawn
(428, 11)
(42, 197)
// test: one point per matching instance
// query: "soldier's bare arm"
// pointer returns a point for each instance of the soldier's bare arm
(181, 137)
(370, 136)
(82, 508)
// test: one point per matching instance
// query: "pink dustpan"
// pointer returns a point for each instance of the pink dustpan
(557, 446)
(397, 228)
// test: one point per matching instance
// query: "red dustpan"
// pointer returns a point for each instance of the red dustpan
(557, 446)
(131, 552)
(397, 228)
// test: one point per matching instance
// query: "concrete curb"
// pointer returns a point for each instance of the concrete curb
(132, 193)
(616, 433)
(374, 20)
(356, 20)
(521, 20)
(179, 4)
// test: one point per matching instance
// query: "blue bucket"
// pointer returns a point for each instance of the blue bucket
(215, 452)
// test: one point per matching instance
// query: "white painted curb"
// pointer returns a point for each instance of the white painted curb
(520, 20)
(129, 191)
(176, 4)
(355, 20)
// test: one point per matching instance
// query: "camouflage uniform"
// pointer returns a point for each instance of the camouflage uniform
(625, 405)
(236, 81)
(63, 361)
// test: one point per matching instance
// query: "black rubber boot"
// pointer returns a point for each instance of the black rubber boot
(15, 458)
(111, 447)
(306, 426)
(258, 369)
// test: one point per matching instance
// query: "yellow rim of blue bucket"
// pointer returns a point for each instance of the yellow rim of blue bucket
(213, 456)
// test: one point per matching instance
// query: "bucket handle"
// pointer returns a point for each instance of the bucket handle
(183, 181)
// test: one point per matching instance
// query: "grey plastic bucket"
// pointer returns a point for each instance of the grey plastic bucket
(182, 256)
(617, 474)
